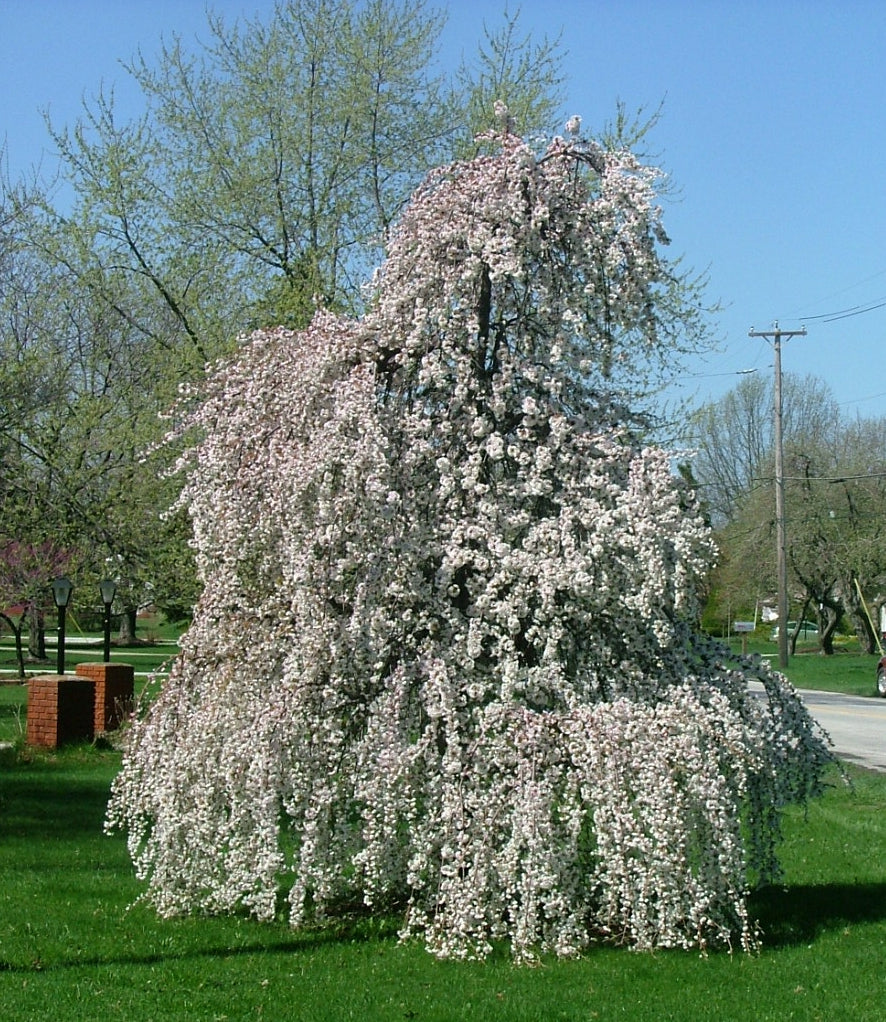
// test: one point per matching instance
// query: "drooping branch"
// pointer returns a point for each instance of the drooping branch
(474, 685)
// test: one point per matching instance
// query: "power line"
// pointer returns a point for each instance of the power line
(711, 376)
(825, 479)
(858, 400)
(855, 310)
(842, 291)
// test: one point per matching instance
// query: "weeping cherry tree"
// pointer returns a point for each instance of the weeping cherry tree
(445, 662)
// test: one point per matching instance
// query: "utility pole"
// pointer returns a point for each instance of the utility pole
(780, 532)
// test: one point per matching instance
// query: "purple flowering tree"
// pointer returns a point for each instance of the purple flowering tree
(445, 660)
(26, 574)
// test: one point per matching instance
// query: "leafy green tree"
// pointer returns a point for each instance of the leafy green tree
(508, 69)
(259, 180)
(26, 573)
(273, 157)
(836, 540)
(835, 482)
(80, 409)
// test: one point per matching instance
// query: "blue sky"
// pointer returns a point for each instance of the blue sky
(772, 131)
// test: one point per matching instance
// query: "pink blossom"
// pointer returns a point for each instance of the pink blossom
(445, 654)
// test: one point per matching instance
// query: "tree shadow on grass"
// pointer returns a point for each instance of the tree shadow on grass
(788, 917)
(311, 939)
(795, 915)
(46, 808)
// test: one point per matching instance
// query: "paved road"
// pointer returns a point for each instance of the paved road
(856, 724)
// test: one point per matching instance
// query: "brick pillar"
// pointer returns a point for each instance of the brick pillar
(61, 708)
(114, 692)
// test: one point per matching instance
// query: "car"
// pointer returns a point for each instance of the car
(881, 677)
(806, 628)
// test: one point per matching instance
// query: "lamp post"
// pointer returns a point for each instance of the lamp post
(108, 589)
(61, 593)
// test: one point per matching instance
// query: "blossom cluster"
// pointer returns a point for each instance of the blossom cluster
(445, 657)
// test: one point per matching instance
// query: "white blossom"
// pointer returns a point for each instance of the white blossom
(445, 654)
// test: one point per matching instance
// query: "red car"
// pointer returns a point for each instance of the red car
(881, 677)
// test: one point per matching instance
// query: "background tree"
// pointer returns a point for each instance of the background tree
(82, 401)
(26, 574)
(734, 435)
(473, 689)
(507, 69)
(261, 177)
(837, 547)
(833, 480)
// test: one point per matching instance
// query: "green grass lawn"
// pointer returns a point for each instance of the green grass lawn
(850, 673)
(13, 709)
(143, 658)
(156, 647)
(849, 670)
(71, 947)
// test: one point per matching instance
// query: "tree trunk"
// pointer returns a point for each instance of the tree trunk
(828, 619)
(36, 634)
(795, 634)
(858, 615)
(19, 650)
(863, 629)
(127, 626)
